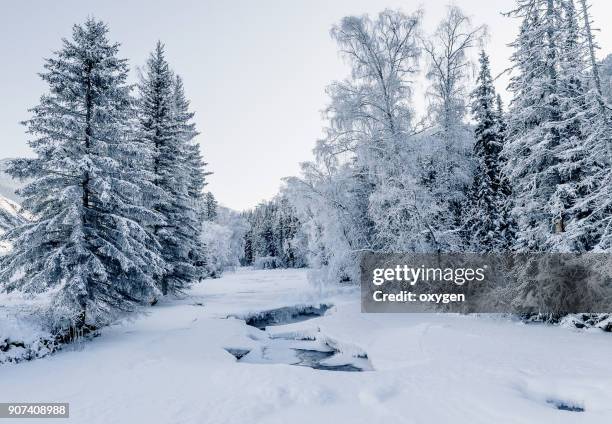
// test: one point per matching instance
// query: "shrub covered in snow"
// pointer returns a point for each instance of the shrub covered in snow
(15, 351)
(218, 253)
(223, 239)
(22, 333)
(218, 247)
(601, 321)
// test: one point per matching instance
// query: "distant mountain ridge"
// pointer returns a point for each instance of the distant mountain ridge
(10, 214)
(8, 185)
(10, 211)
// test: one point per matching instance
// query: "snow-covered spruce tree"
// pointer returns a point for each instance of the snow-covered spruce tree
(287, 230)
(553, 133)
(592, 224)
(166, 128)
(192, 218)
(533, 146)
(486, 226)
(501, 118)
(265, 244)
(193, 155)
(604, 71)
(556, 151)
(88, 243)
(209, 207)
(508, 222)
(247, 254)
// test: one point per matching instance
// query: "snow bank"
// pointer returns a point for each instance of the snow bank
(22, 336)
(173, 365)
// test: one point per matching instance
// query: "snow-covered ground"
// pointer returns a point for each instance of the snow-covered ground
(172, 364)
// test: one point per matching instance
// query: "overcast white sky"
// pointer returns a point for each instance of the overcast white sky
(255, 71)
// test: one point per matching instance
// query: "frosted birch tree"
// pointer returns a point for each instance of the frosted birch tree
(448, 168)
(362, 184)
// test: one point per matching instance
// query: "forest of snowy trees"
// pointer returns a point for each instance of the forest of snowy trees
(273, 239)
(472, 175)
(118, 212)
(116, 186)
(383, 179)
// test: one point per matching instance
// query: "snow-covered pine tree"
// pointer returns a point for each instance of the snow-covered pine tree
(508, 223)
(165, 128)
(248, 254)
(556, 150)
(485, 227)
(209, 208)
(535, 144)
(501, 119)
(286, 229)
(194, 159)
(195, 179)
(556, 147)
(88, 242)
(592, 225)
(264, 238)
(574, 166)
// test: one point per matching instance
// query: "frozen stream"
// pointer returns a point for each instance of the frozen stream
(313, 350)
